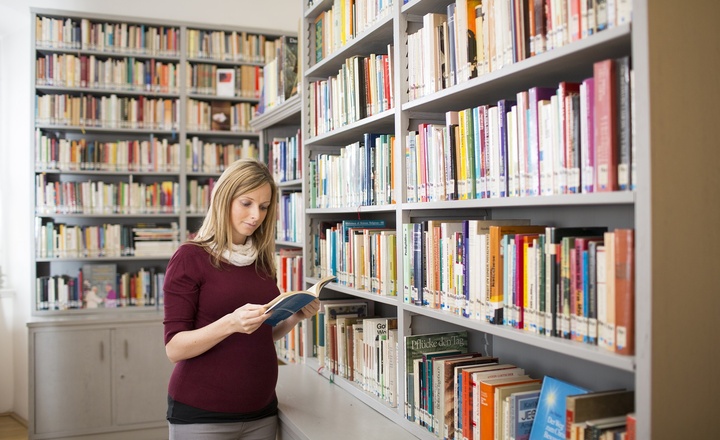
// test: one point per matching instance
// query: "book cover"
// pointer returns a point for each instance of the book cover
(99, 285)
(286, 304)
(444, 386)
(605, 125)
(487, 402)
(625, 291)
(225, 82)
(416, 346)
(595, 405)
(549, 421)
(522, 408)
(289, 64)
(221, 112)
(502, 393)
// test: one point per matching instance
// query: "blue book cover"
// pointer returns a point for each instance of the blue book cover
(523, 407)
(549, 423)
(288, 303)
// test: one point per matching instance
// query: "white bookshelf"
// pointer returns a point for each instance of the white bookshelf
(670, 73)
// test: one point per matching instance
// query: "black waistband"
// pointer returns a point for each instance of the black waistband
(182, 414)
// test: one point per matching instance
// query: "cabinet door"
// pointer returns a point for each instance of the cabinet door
(72, 382)
(142, 371)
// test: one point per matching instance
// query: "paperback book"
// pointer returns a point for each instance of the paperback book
(289, 303)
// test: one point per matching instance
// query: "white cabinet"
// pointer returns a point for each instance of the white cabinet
(92, 379)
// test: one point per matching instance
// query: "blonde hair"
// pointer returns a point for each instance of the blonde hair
(215, 234)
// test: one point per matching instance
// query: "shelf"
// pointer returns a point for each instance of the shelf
(347, 210)
(103, 259)
(290, 184)
(383, 122)
(107, 54)
(318, 6)
(372, 40)
(109, 173)
(287, 113)
(110, 215)
(572, 62)
(108, 130)
(584, 199)
(419, 8)
(223, 133)
(200, 96)
(124, 92)
(337, 287)
(295, 244)
(570, 348)
(223, 62)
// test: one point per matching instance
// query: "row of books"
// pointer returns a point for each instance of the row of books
(98, 197)
(453, 392)
(53, 240)
(155, 155)
(85, 34)
(566, 282)
(280, 74)
(360, 253)
(360, 174)
(362, 88)
(88, 71)
(219, 115)
(215, 157)
(345, 20)
(209, 79)
(58, 154)
(100, 286)
(229, 46)
(198, 201)
(290, 211)
(474, 37)
(137, 112)
(573, 138)
(289, 266)
(285, 160)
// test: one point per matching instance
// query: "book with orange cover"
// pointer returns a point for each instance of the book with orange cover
(625, 291)
(487, 402)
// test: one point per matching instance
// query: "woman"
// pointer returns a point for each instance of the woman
(223, 384)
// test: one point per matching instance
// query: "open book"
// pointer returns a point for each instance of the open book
(286, 304)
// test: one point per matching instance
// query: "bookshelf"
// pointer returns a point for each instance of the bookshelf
(278, 128)
(640, 209)
(154, 139)
(150, 152)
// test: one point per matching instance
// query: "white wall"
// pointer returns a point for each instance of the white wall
(16, 194)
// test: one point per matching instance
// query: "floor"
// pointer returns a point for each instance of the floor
(11, 429)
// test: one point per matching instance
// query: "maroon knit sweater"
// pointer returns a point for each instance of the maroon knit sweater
(239, 374)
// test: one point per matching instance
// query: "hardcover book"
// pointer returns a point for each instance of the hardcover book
(288, 303)
(416, 346)
(221, 115)
(549, 421)
(225, 82)
(99, 285)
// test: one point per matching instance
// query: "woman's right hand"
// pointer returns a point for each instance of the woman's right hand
(248, 318)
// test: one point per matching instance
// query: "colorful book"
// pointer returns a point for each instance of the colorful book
(595, 405)
(99, 286)
(549, 421)
(415, 347)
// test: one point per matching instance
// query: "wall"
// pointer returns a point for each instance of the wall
(16, 184)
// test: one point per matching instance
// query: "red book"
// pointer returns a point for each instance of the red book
(625, 291)
(606, 133)
(631, 427)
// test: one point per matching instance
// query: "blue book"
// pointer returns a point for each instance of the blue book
(549, 423)
(523, 406)
(288, 303)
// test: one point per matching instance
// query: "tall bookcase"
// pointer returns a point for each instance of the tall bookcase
(669, 196)
(155, 84)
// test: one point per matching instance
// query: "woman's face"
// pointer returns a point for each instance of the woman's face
(248, 212)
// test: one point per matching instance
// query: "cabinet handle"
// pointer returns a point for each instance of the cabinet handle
(126, 348)
(102, 351)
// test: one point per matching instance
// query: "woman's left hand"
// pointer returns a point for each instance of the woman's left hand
(309, 310)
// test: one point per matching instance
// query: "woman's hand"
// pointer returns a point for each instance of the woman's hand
(309, 310)
(248, 318)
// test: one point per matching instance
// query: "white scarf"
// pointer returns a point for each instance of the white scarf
(241, 254)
